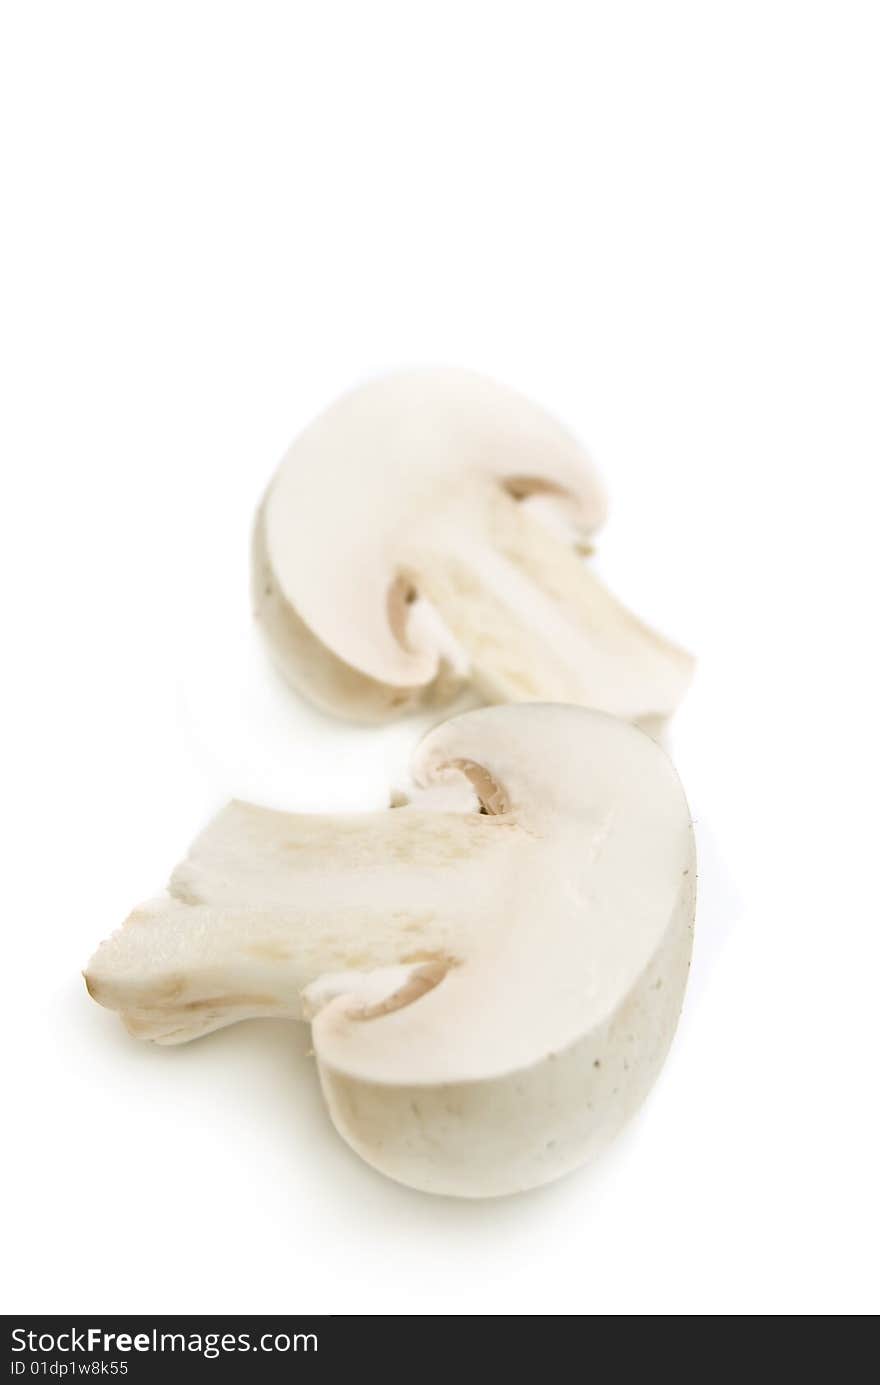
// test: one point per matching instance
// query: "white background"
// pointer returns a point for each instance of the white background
(662, 222)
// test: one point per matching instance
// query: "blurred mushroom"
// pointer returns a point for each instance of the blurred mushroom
(428, 530)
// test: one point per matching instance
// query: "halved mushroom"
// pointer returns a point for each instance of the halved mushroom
(429, 529)
(493, 972)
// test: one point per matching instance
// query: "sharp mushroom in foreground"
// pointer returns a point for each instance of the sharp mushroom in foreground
(493, 972)
(427, 531)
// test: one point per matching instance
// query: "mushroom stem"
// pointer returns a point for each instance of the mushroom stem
(537, 624)
(267, 903)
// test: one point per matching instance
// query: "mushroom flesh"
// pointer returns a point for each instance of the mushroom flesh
(493, 970)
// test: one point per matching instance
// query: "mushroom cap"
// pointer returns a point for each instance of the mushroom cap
(515, 1062)
(354, 499)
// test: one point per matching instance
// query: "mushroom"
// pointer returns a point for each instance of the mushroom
(428, 530)
(493, 971)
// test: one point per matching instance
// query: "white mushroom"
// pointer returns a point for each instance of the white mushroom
(491, 992)
(429, 529)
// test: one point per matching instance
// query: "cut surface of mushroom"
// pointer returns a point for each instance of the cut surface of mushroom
(428, 530)
(493, 971)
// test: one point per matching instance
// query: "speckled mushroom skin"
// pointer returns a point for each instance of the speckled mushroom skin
(491, 1138)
